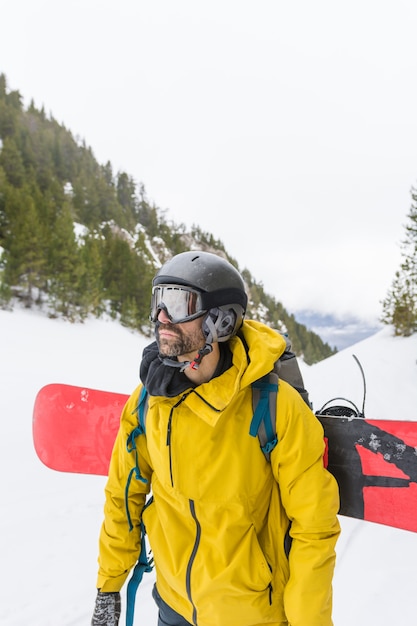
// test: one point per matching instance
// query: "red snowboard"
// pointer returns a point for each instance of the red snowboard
(74, 428)
(374, 461)
(375, 465)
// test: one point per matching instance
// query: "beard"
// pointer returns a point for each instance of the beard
(182, 344)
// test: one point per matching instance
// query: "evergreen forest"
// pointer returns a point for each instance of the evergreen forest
(79, 240)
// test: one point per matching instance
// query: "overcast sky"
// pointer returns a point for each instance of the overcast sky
(288, 130)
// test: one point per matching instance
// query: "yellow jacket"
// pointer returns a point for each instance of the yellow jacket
(221, 517)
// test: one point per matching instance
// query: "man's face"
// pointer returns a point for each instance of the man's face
(178, 340)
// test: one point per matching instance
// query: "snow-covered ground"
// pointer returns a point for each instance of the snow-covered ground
(49, 521)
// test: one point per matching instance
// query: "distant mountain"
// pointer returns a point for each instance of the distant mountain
(338, 332)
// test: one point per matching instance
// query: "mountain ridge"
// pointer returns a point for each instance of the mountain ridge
(76, 239)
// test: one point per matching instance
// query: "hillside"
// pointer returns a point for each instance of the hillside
(50, 521)
(78, 240)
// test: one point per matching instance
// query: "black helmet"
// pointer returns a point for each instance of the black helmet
(217, 288)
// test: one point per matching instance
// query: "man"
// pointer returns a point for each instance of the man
(236, 540)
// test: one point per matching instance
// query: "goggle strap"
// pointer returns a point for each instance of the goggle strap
(222, 297)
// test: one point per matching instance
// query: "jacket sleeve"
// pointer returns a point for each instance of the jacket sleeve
(118, 546)
(310, 497)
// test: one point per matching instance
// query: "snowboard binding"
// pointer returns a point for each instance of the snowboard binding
(345, 410)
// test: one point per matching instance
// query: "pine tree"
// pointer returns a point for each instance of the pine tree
(3, 86)
(400, 305)
(24, 256)
(11, 162)
(126, 196)
(410, 243)
(65, 295)
(91, 282)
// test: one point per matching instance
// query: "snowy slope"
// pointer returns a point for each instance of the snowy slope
(49, 522)
(390, 366)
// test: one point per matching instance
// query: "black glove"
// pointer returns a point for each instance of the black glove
(107, 609)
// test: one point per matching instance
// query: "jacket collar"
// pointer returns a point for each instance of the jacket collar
(254, 352)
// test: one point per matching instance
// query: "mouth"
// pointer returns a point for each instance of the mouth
(167, 333)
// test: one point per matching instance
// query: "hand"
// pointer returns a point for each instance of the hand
(107, 609)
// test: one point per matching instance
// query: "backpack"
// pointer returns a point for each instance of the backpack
(263, 426)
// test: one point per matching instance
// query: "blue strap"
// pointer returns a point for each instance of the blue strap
(142, 408)
(143, 565)
(132, 447)
(262, 414)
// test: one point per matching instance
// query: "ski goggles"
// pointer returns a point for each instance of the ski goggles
(180, 303)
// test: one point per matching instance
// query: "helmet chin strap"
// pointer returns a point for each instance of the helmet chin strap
(194, 364)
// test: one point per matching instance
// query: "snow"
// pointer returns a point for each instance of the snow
(49, 521)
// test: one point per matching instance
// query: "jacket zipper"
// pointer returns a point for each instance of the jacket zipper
(192, 559)
(169, 431)
(169, 435)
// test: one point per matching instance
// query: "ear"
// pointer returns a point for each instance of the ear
(223, 321)
(226, 323)
(209, 325)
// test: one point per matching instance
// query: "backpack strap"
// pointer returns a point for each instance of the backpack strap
(131, 446)
(142, 408)
(144, 564)
(264, 402)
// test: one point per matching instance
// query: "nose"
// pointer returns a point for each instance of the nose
(163, 317)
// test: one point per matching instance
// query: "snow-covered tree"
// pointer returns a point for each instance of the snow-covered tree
(400, 305)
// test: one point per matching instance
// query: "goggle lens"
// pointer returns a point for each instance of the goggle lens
(181, 304)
